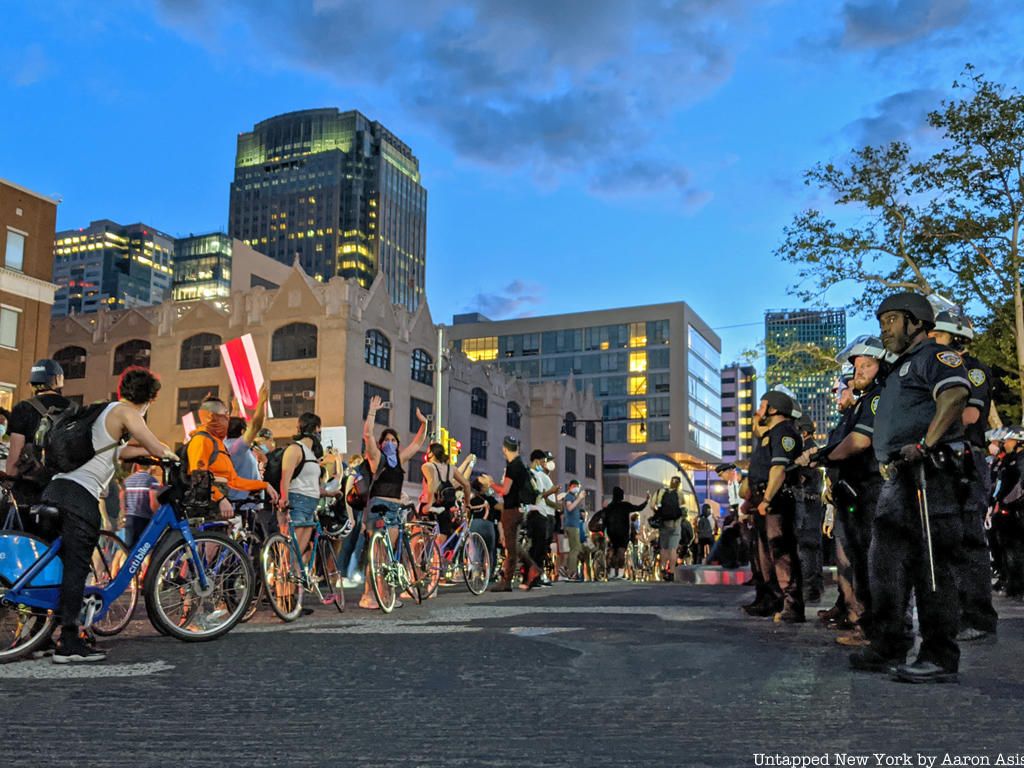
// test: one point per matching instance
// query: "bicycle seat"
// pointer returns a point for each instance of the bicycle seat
(44, 513)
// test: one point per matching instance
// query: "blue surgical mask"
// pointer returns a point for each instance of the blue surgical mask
(263, 448)
(390, 451)
(3, 430)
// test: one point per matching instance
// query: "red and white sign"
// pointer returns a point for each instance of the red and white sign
(188, 421)
(245, 373)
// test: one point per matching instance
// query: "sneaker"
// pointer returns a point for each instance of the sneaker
(348, 583)
(970, 635)
(924, 672)
(47, 649)
(329, 600)
(789, 616)
(74, 650)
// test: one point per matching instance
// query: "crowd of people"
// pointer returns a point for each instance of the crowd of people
(922, 486)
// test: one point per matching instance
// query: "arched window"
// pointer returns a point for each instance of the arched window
(422, 367)
(570, 424)
(478, 402)
(295, 341)
(378, 350)
(513, 415)
(72, 360)
(200, 351)
(134, 352)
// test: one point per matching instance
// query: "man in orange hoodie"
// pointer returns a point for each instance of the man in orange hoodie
(206, 451)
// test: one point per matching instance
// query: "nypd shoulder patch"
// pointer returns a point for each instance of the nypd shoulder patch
(976, 376)
(905, 368)
(874, 404)
(950, 358)
(788, 443)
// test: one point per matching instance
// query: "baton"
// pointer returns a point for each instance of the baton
(922, 505)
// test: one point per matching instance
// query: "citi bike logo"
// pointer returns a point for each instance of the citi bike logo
(139, 557)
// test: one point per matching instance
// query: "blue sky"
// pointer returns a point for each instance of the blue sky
(579, 154)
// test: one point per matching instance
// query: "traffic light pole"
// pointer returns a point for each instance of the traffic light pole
(439, 384)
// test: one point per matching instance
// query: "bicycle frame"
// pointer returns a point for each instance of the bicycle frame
(48, 597)
(308, 569)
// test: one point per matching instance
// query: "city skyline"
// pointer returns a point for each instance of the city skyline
(536, 209)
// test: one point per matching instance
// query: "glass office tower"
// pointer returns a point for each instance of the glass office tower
(336, 191)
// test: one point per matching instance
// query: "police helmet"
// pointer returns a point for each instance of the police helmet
(782, 403)
(806, 424)
(955, 324)
(862, 346)
(45, 371)
(914, 304)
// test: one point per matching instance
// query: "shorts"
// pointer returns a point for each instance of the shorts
(668, 536)
(392, 515)
(303, 510)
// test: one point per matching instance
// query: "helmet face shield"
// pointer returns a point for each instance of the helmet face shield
(862, 346)
(955, 324)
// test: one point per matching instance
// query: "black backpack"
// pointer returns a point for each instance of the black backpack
(670, 509)
(192, 487)
(30, 463)
(272, 470)
(445, 495)
(705, 528)
(63, 439)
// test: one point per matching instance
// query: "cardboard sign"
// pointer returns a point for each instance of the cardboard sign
(244, 372)
(335, 437)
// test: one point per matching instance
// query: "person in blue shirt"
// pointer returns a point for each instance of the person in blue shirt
(571, 524)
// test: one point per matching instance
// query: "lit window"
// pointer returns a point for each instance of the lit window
(638, 409)
(637, 362)
(14, 255)
(481, 349)
(638, 385)
(637, 335)
(636, 433)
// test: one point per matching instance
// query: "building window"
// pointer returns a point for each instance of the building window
(570, 424)
(134, 352)
(9, 327)
(590, 465)
(478, 442)
(481, 350)
(636, 433)
(14, 255)
(369, 392)
(513, 415)
(295, 341)
(200, 351)
(425, 408)
(591, 500)
(478, 402)
(422, 367)
(190, 398)
(378, 350)
(72, 360)
(291, 398)
(591, 432)
(76, 399)
(570, 460)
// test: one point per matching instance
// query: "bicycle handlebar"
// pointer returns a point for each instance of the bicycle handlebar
(153, 461)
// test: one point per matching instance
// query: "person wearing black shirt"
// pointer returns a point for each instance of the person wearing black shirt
(484, 518)
(614, 520)
(517, 492)
(810, 513)
(47, 379)
(918, 429)
(978, 618)
(772, 480)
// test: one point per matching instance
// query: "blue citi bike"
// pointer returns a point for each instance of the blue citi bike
(197, 587)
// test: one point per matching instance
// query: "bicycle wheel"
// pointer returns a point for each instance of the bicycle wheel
(381, 572)
(327, 570)
(476, 564)
(427, 555)
(282, 577)
(108, 558)
(177, 602)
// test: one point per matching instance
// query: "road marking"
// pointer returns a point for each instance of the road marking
(540, 631)
(388, 628)
(45, 669)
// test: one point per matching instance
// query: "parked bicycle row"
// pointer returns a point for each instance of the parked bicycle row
(100, 510)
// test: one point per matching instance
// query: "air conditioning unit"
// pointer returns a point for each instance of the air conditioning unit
(308, 394)
(484, 444)
(430, 366)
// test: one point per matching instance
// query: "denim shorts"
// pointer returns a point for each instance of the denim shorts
(303, 510)
(393, 515)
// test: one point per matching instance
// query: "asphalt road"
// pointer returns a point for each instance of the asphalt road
(576, 675)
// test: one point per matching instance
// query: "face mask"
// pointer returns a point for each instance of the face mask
(263, 448)
(3, 430)
(390, 451)
(550, 466)
(218, 428)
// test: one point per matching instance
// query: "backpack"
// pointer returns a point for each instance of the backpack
(670, 509)
(275, 460)
(445, 494)
(63, 440)
(193, 487)
(358, 493)
(30, 463)
(705, 528)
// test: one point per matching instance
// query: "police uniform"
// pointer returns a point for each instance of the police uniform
(810, 514)
(855, 493)
(898, 559)
(974, 572)
(783, 445)
(768, 597)
(1008, 521)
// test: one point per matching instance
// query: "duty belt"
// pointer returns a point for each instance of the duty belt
(890, 471)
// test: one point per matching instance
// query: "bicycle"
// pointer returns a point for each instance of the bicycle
(196, 589)
(599, 557)
(287, 576)
(393, 568)
(464, 549)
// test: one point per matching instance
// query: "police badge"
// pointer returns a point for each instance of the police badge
(788, 443)
(976, 376)
(950, 358)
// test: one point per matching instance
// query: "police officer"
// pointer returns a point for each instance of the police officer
(977, 616)
(856, 483)
(772, 485)
(810, 513)
(918, 522)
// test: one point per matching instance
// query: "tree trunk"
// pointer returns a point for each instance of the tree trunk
(1018, 323)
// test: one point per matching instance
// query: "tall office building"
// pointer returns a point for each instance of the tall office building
(654, 369)
(213, 266)
(825, 329)
(739, 402)
(113, 265)
(337, 191)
